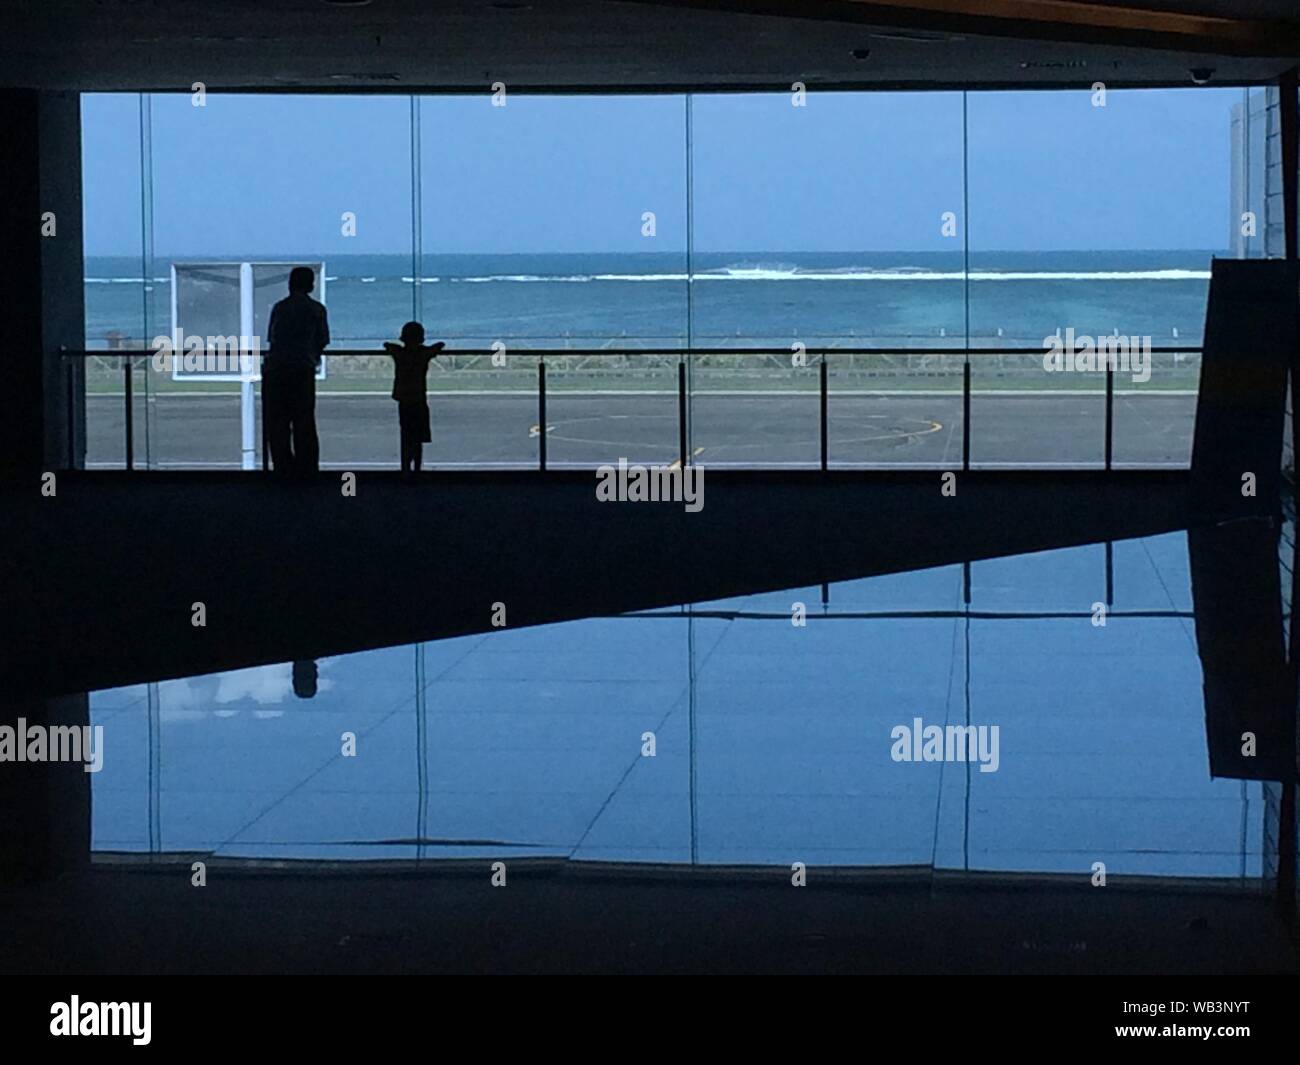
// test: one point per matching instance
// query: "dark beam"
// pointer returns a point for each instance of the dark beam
(1048, 20)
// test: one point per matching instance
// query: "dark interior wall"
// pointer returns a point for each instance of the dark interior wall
(43, 308)
(21, 439)
(63, 302)
(1251, 335)
(41, 422)
(45, 830)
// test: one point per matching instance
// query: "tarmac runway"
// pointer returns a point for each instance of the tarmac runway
(755, 429)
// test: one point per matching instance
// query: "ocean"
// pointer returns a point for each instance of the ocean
(735, 299)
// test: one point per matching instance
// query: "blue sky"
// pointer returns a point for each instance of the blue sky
(272, 175)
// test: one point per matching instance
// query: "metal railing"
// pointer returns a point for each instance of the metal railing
(129, 357)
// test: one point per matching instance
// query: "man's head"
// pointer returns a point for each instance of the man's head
(301, 279)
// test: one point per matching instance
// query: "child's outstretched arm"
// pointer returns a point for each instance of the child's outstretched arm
(391, 347)
(433, 349)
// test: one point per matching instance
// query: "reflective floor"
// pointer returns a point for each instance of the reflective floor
(773, 742)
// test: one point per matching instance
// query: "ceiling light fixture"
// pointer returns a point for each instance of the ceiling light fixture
(363, 76)
(915, 36)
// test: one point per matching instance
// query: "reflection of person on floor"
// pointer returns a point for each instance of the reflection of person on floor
(411, 360)
(304, 678)
(296, 335)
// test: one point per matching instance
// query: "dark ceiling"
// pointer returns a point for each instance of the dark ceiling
(401, 45)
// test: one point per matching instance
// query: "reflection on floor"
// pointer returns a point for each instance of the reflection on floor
(772, 740)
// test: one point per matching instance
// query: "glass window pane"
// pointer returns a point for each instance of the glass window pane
(1093, 218)
(116, 277)
(824, 222)
(576, 242)
(298, 180)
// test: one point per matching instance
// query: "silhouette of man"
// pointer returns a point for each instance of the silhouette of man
(296, 335)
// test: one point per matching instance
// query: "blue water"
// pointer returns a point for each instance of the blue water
(773, 742)
(744, 299)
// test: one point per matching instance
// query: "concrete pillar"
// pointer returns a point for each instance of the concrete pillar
(45, 830)
(42, 401)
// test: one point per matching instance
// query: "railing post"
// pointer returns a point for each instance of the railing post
(541, 413)
(1110, 413)
(683, 457)
(824, 390)
(965, 414)
(130, 411)
(1110, 573)
(69, 380)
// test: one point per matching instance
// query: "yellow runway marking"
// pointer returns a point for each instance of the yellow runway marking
(677, 463)
(901, 434)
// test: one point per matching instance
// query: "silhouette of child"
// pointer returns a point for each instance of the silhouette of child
(410, 367)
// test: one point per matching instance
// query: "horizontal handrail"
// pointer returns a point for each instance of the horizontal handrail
(126, 353)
